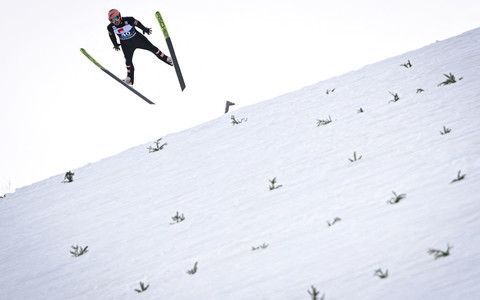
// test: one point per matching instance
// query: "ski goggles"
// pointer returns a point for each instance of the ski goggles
(115, 19)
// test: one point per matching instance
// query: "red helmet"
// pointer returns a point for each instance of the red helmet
(114, 15)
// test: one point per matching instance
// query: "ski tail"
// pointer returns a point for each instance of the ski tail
(114, 77)
(170, 48)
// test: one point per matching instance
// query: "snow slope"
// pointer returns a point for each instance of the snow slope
(218, 176)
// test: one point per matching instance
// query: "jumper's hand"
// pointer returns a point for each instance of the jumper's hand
(116, 47)
(148, 31)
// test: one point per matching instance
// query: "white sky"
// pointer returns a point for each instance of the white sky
(59, 112)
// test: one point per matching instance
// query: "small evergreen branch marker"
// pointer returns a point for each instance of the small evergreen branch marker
(439, 253)
(143, 288)
(157, 147)
(177, 218)
(407, 64)
(360, 110)
(264, 246)
(381, 274)
(395, 97)
(396, 198)
(355, 157)
(324, 122)
(420, 91)
(330, 91)
(236, 122)
(68, 176)
(314, 294)
(459, 177)
(194, 270)
(273, 183)
(450, 79)
(78, 251)
(337, 219)
(445, 130)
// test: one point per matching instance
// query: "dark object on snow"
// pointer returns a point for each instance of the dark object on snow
(227, 106)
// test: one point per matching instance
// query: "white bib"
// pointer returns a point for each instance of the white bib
(126, 32)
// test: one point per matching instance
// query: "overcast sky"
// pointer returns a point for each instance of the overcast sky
(59, 112)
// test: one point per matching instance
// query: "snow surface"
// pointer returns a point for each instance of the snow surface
(218, 176)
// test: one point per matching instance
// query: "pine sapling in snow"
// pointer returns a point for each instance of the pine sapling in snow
(381, 274)
(337, 219)
(439, 253)
(68, 176)
(395, 97)
(194, 270)
(177, 218)
(459, 177)
(355, 157)
(273, 183)
(324, 122)
(264, 246)
(407, 65)
(78, 251)
(445, 130)
(236, 122)
(396, 198)
(314, 294)
(143, 287)
(450, 79)
(330, 91)
(157, 147)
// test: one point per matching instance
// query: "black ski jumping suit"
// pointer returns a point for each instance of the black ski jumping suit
(130, 40)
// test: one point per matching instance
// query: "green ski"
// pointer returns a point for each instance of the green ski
(115, 77)
(170, 48)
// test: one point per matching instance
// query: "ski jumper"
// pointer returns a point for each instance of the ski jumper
(130, 40)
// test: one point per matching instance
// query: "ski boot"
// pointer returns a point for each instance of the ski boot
(128, 80)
